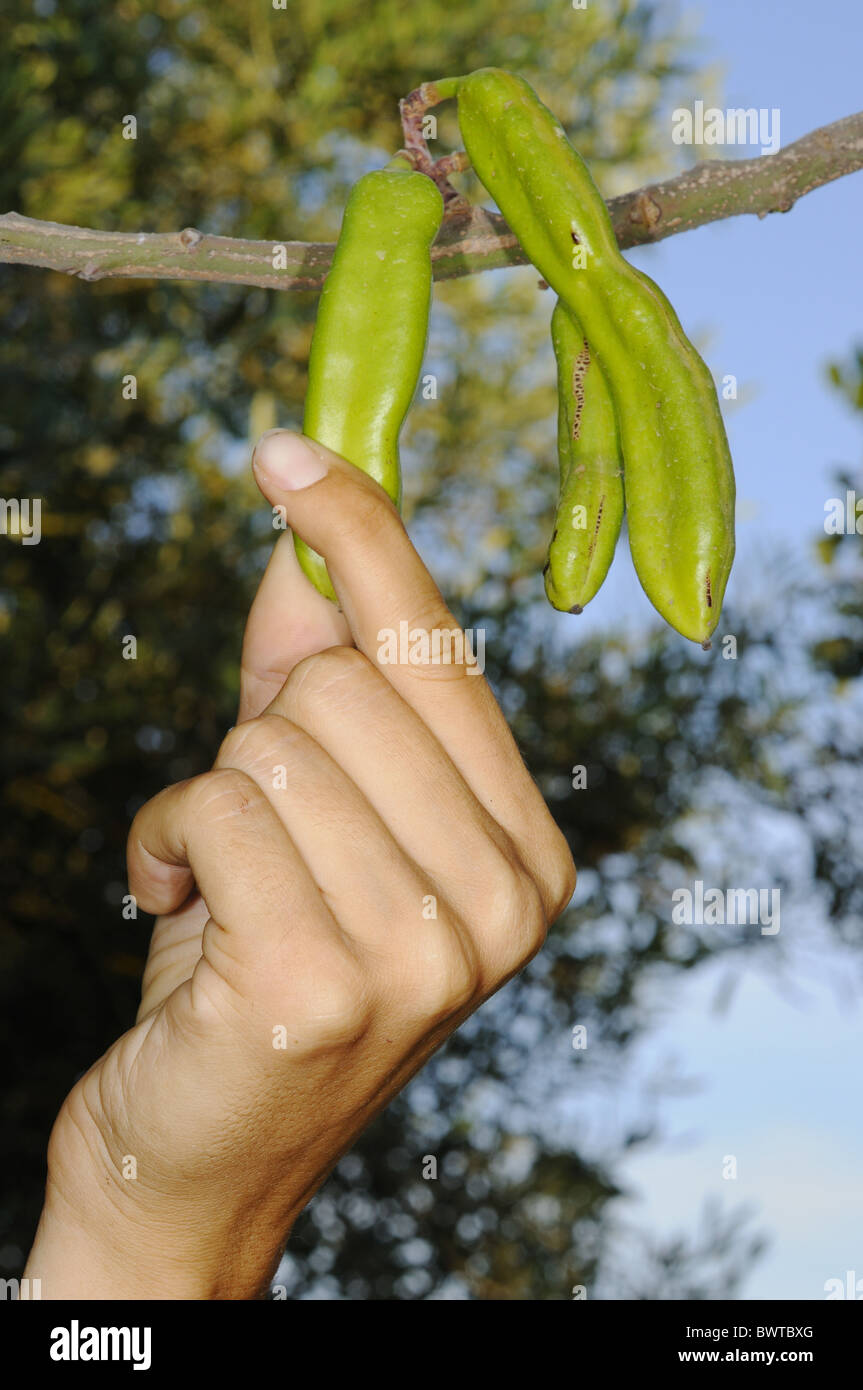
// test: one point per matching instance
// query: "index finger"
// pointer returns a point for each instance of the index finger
(400, 621)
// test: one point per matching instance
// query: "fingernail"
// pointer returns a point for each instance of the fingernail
(288, 461)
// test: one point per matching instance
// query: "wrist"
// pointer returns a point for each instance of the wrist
(105, 1259)
(98, 1255)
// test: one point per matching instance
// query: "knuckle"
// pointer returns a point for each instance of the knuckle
(450, 976)
(336, 1008)
(318, 678)
(245, 745)
(225, 793)
(515, 910)
(429, 612)
(559, 877)
(439, 649)
(532, 923)
(366, 516)
(259, 742)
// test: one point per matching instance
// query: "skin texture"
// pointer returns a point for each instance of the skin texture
(590, 509)
(678, 474)
(291, 880)
(371, 329)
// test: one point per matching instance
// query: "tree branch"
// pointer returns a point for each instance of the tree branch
(471, 239)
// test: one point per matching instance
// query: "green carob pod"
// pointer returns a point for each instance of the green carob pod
(678, 475)
(371, 329)
(590, 508)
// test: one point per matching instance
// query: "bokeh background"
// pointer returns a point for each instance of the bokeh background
(557, 1167)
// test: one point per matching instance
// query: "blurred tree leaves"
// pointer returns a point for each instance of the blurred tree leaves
(253, 121)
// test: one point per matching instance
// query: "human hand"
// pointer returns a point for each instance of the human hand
(369, 860)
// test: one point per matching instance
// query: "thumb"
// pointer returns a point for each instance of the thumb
(288, 621)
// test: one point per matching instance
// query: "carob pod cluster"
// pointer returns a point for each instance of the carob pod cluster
(677, 472)
(639, 424)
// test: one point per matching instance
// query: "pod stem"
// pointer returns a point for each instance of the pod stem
(412, 109)
(433, 93)
(454, 163)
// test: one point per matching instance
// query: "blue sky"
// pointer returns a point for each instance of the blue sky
(780, 297)
(772, 302)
